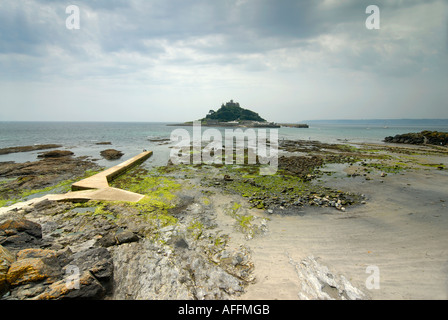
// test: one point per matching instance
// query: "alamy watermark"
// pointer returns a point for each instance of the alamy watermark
(73, 21)
(72, 279)
(240, 147)
(373, 280)
(373, 21)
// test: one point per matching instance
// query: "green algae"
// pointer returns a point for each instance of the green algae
(158, 194)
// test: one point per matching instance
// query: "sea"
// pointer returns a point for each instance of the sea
(132, 138)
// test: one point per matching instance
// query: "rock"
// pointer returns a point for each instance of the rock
(299, 165)
(33, 265)
(22, 225)
(103, 143)
(98, 261)
(6, 259)
(17, 234)
(317, 282)
(107, 241)
(227, 178)
(111, 154)
(145, 270)
(29, 148)
(56, 154)
(44, 204)
(89, 288)
(126, 237)
(40, 174)
(424, 137)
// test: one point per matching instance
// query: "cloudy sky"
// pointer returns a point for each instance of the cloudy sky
(174, 60)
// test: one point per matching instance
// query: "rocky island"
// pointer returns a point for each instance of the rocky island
(232, 115)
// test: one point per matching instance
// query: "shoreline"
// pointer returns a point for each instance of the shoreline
(276, 250)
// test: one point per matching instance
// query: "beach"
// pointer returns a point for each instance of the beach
(402, 230)
(337, 221)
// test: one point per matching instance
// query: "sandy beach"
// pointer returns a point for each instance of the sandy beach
(403, 230)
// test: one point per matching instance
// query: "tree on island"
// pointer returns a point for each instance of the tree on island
(231, 111)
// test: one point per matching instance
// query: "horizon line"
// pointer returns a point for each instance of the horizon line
(302, 121)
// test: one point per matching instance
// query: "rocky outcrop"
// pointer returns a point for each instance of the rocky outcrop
(317, 282)
(20, 233)
(111, 154)
(6, 259)
(41, 174)
(29, 148)
(30, 271)
(424, 137)
(56, 154)
(61, 251)
(299, 165)
(33, 265)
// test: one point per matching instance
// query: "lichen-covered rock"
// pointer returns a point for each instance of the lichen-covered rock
(22, 225)
(33, 265)
(6, 259)
(89, 288)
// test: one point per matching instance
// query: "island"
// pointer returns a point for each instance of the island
(231, 114)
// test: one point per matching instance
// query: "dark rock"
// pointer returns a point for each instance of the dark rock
(34, 265)
(96, 260)
(29, 148)
(126, 237)
(44, 204)
(6, 259)
(56, 154)
(299, 165)
(107, 241)
(103, 143)
(181, 243)
(17, 226)
(111, 154)
(41, 174)
(424, 137)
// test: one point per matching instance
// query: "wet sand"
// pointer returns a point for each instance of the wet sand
(402, 230)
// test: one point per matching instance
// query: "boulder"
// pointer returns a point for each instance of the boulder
(22, 225)
(111, 154)
(33, 265)
(126, 237)
(56, 154)
(29, 148)
(6, 259)
(97, 262)
(89, 288)
(424, 137)
(17, 234)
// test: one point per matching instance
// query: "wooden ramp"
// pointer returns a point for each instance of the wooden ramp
(102, 179)
(93, 188)
(97, 187)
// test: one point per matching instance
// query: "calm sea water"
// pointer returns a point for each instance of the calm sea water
(132, 138)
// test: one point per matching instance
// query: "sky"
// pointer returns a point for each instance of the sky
(174, 60)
